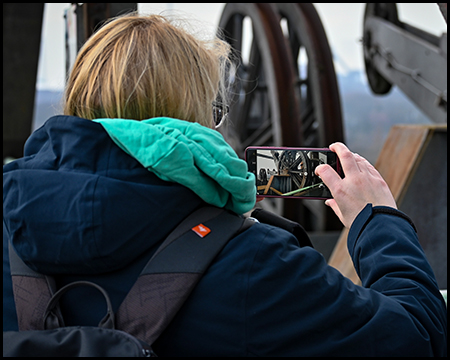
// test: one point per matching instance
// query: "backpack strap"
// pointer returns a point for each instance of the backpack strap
(174, 270)
(32, 292)
(162, 287)
(293, 227)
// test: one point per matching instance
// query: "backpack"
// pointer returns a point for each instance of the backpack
(167, 280)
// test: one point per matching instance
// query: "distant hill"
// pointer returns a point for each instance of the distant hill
(368, 117)
(47, 104)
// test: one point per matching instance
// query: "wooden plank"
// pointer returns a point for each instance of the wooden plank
(268, 184)
(399, 155)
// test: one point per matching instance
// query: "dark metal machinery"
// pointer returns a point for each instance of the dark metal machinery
(285, 93)
(396, 53)
(21, 41)
(91, 16)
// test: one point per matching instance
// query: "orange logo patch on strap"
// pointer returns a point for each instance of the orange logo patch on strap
(201, 230)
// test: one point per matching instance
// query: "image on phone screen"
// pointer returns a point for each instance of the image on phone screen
(290, 172)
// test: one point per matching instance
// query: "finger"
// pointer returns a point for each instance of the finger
(334, 206)
(259, 198)
(328, 175)
(360, 161)
(346, 158)
(365, 165)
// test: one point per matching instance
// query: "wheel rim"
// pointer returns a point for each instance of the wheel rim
(275, 103)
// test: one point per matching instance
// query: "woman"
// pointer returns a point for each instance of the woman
(135, 152)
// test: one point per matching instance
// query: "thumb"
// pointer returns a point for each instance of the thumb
(330, 177)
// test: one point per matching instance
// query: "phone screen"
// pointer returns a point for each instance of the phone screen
(290, 172)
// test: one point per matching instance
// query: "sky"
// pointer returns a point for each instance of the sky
(342, 23)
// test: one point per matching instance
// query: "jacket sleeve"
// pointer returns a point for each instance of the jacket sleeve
(388, 258)
(297, 305)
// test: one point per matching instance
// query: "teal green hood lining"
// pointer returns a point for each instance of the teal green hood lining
(189, 154)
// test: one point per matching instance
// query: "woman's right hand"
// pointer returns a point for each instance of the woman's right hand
(361, 185)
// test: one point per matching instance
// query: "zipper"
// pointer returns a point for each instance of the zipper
(145, 349)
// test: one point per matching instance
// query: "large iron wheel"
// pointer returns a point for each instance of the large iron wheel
(262, 79)
(262, 82)
(316, 84)
(276, 99)
(317, 92)
(387, 11)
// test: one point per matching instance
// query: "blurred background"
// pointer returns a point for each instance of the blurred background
(367, 118)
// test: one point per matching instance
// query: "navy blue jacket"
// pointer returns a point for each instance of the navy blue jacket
(77, 207)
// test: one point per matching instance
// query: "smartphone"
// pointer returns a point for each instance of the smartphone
(289, 172)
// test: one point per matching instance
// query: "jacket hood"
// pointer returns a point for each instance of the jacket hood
(76, 203)
(189, 154)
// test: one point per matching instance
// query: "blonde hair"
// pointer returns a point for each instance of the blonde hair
(143, 66)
